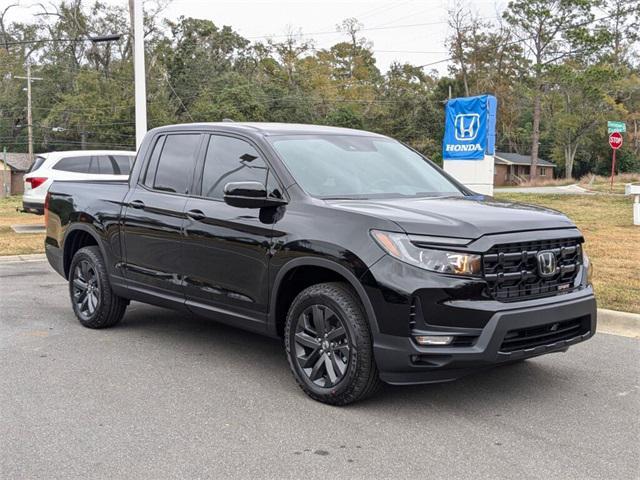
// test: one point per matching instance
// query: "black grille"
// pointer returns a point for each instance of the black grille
(511, 270)
(550, 333)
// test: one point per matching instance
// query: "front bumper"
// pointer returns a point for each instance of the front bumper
(401, 361)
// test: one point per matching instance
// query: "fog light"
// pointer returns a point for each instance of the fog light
(434, 339)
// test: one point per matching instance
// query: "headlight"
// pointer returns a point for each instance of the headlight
(399, 245)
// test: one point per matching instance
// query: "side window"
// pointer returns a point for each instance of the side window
(113, 164)
(231, 160)
(94, 165)
(73, 164)
(36, 164)
(153, 163)
(176, 163)
(104, 164)
(121, 164)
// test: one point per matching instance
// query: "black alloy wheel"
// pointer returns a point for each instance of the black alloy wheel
(93, 300)
(328, 341)
(86, 289)
(322, 346)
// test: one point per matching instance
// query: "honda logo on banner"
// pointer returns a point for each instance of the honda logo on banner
(469, 128)
(467, 125)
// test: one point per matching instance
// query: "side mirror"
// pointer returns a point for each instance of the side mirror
(249, 195)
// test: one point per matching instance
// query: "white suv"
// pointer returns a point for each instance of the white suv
(76, 165)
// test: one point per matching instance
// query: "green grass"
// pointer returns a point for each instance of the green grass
(612, 242)
(10, 242)
(602, 184)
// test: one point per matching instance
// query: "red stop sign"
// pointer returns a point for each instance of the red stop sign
(615, 140)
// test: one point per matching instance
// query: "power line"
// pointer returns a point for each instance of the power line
(166, 77)
(380, 9)
(334, 32)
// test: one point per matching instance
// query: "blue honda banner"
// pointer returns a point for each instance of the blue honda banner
(470, 128)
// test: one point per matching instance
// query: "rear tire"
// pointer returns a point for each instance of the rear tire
(329, 347)
(93, 301)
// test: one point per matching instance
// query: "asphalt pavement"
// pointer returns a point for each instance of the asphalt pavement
(163, 395)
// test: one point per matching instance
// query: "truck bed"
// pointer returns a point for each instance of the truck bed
(96, 203)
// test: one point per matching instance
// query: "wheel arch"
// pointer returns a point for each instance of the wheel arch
(314, 270)
(77, 237)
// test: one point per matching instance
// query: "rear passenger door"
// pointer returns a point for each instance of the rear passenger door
(154, 216)
(226, 248)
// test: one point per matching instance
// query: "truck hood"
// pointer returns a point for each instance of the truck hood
(462, 217)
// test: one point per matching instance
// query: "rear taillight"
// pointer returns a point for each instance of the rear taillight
(35, 182)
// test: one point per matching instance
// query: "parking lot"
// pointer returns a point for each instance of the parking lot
(166, 396)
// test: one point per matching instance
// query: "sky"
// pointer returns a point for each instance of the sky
(411, 31)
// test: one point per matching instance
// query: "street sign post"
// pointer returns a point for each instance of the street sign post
(616, 127)
(615, 141)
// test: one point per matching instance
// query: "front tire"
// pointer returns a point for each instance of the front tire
(329, 347)
(93, 301)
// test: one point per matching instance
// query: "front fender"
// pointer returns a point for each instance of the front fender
(351, 271)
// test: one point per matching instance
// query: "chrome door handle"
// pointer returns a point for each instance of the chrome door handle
(196, 215)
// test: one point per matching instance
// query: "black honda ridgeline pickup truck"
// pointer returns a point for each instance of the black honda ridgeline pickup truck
(370, 262)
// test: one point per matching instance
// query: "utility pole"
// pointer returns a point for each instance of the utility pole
(29, 79)
(5, 185)
(135, 9)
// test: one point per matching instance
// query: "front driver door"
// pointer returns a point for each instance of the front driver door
(227, 248)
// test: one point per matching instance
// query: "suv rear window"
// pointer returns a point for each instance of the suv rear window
(73, 164)
(96, 164)
(37, 163)
(111, 165)
(121, 164)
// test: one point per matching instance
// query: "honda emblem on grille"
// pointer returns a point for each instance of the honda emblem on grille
(546, 263)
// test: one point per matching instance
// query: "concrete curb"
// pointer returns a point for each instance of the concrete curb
(609, 321)
(619, 323)
(34, 257)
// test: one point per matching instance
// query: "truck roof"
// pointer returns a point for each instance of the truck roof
(266, 128)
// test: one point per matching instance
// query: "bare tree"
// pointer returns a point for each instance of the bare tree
(351, 26)
(459, 20)
(3, 31)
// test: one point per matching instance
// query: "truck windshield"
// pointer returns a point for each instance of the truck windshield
(347, 166)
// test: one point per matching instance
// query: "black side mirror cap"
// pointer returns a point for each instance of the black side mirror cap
(249, 195)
